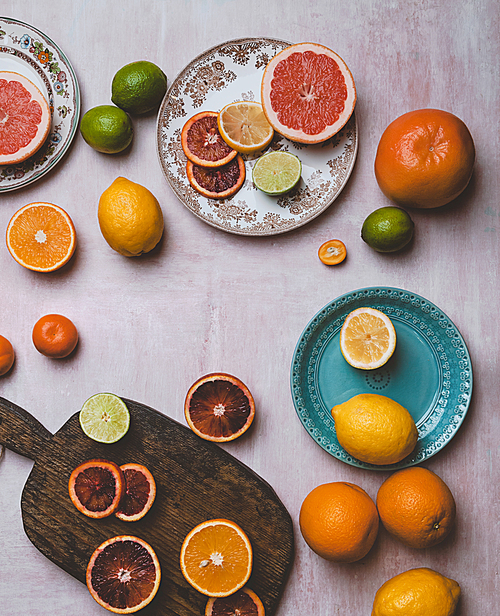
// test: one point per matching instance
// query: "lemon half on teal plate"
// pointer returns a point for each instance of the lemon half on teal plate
(430, 372)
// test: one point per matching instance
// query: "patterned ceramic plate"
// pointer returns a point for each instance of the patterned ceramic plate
(231, 72)
(25, 50)
(430, 372)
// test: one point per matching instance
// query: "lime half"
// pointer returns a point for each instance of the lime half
(105, 418)
(276, 173)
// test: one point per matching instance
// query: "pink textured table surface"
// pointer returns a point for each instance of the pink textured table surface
(206, 300)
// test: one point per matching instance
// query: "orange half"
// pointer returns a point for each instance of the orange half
(41, 237)
(216, 558)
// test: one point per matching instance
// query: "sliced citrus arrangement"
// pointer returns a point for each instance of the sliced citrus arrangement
(219, 407)
(202, 142)
(140, 492)
(104, 418)
(308, 93)
(41, 237)
(123, 574)
(244, 126)
(332, 252)
(216, 558)
(244, 602)
(25, 118)
(367, 338)
(96, 488)
(55, 336)
(276, 173)
(217, 182)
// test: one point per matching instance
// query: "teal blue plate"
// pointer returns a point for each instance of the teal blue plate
(430, 372)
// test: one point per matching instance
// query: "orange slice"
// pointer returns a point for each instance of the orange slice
(41, 237)
(217, 182)
(96, 488)
(202, 142)
(123, 574)
(332, 252)
(219, 407)
(244, 602)
(216, 558)
(140, 492)
(25, 118)
(367, 338)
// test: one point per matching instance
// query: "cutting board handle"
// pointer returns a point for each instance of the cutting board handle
(20, 431)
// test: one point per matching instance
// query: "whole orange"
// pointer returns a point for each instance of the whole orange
(417, 507)
(339, 521)
(6, 356)
(55, 336)
(424, 158)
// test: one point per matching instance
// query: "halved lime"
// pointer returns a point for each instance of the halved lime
(276, 173)
(105, 418)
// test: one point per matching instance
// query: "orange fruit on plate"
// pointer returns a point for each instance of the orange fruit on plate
(7, 355)
(25, 118)
(339, 521)
(202, 142)
(424, 158)
(216, 558)
(96, 488)
(417, 507)
(332, 252)
(219, 407)
(217, 182)
(308, 93)
(123, 574)
(244, 602)
(41, 237)
(55, 336)
(140, 492)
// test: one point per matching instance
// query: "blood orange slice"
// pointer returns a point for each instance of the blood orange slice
(308, 93)
(216, 558)
(217, 182)
(96, 488)
(123, 574)
(219, 407)
(25, 118)
(140, 492)
(244, 602)
(202, 142)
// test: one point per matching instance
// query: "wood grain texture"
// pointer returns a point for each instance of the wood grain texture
(196, 481)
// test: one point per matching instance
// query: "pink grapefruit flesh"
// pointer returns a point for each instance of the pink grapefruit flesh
(308, 93)
(25, 118)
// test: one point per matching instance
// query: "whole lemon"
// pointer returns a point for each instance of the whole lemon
(339, 521)
(417, 592)
(130, 218)
(375, 429)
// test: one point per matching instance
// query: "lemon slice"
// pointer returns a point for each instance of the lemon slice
(367, 338)
(244, 126)
(276, 173)
(105, 418)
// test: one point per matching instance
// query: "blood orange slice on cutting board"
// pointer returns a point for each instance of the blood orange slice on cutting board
(244, 602)
(308, 93)
(140, 492)
(25, 118)
(96, 488)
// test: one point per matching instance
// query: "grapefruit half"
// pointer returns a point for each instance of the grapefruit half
(308, 93)
(25, 118)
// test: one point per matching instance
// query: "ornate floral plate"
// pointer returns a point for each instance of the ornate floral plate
(430, 372)
(25, 50)
(230, 72)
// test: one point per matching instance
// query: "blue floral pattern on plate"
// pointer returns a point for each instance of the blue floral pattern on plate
(430, 372)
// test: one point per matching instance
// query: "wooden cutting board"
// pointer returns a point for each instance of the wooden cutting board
(196, 481)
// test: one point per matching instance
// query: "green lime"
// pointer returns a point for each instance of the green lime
(387, 229)
(107, 129)
(105, 418)
(138, 87)
(276, 173)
